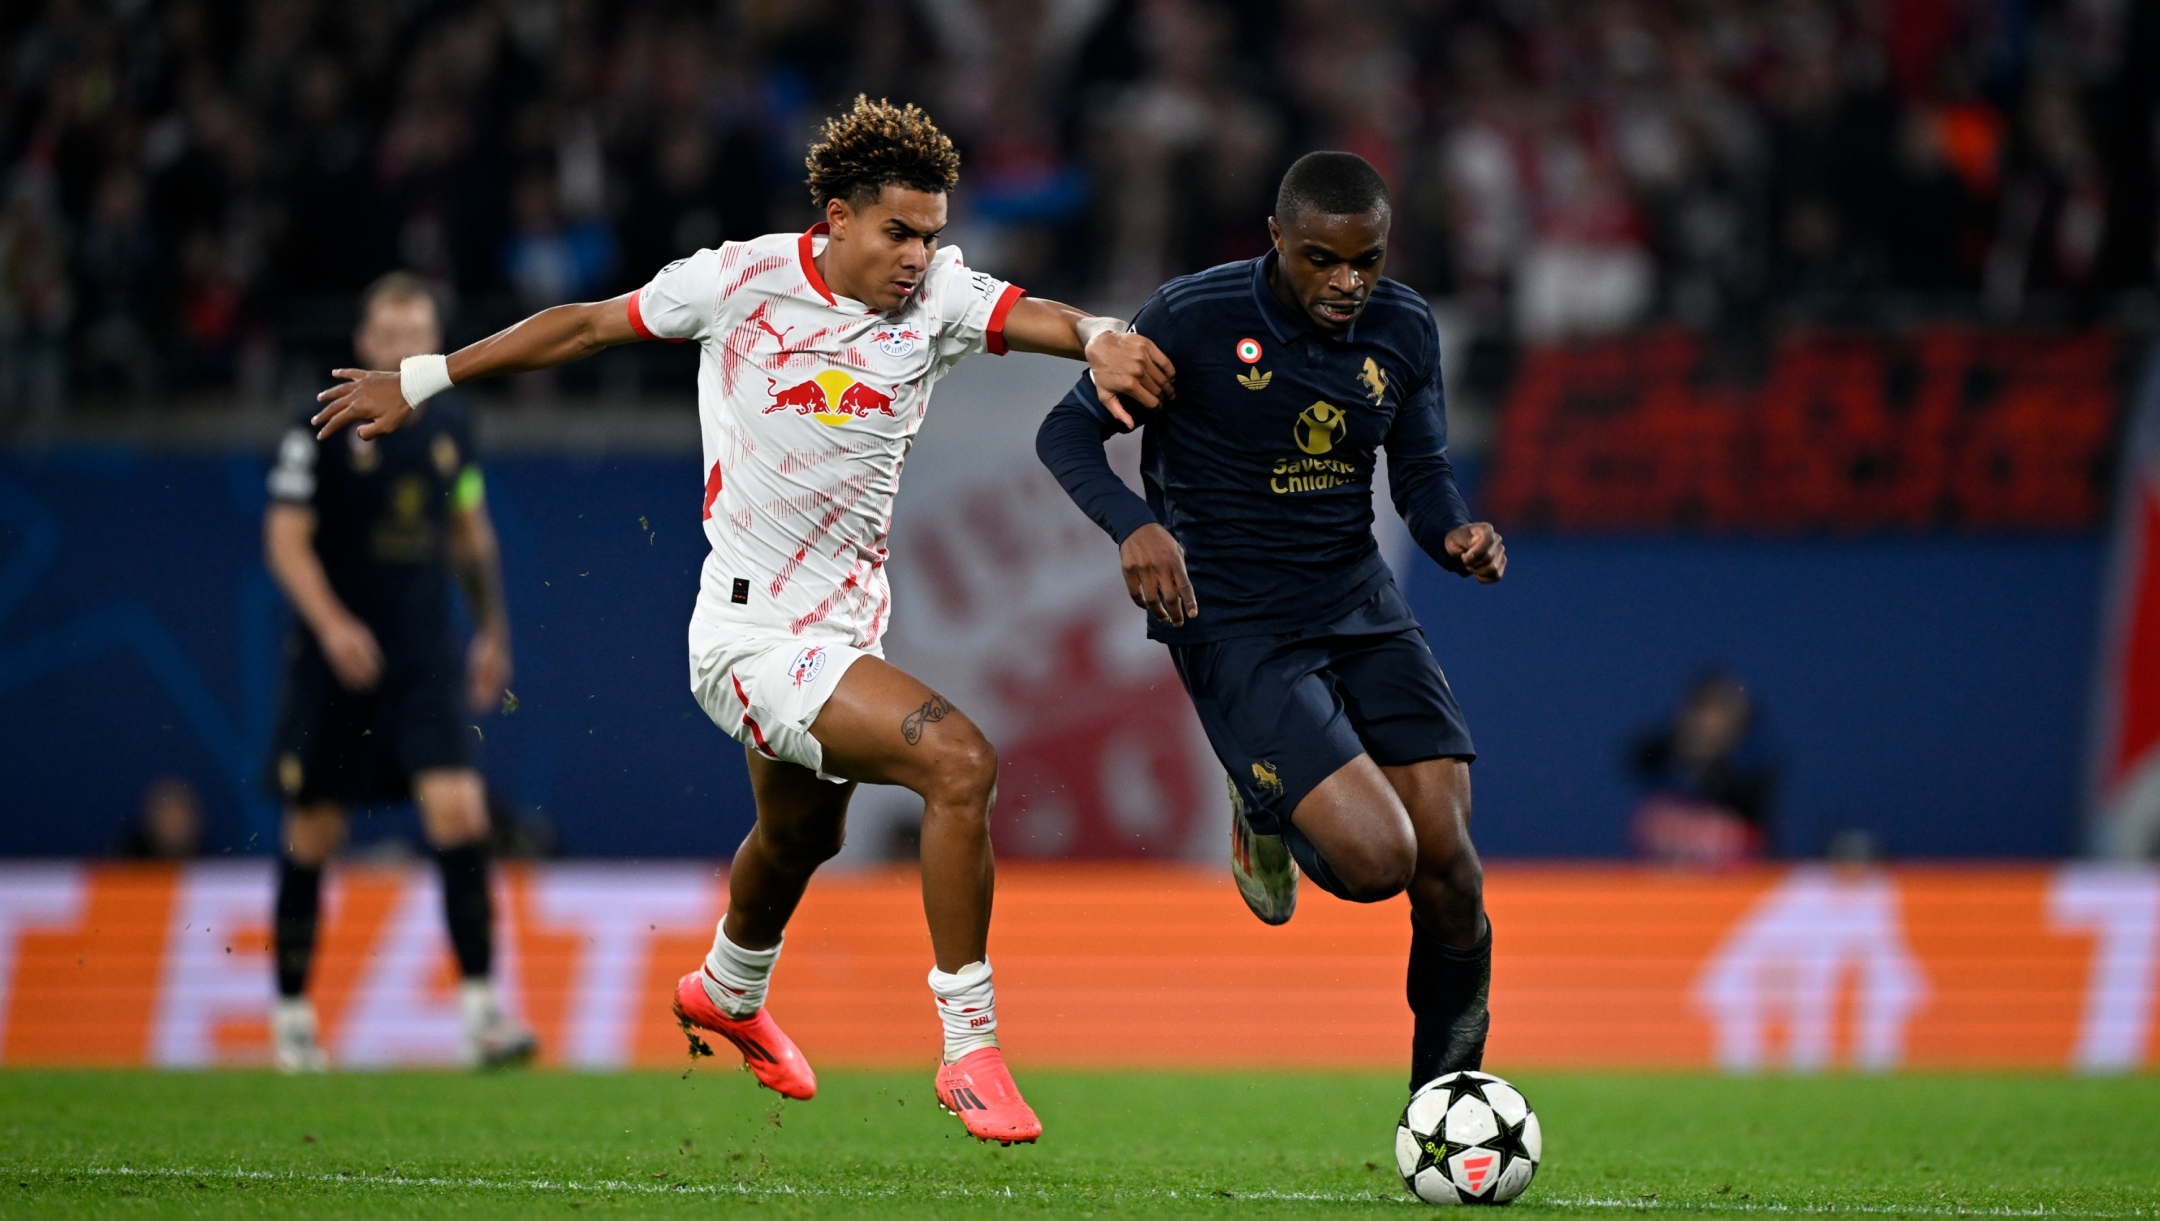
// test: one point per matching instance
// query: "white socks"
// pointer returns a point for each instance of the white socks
(735, 980)
(476, 1004)
(967, 1004)
(734, 977)
(294, 1019)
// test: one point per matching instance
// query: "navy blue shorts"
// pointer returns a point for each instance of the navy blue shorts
(364, 747)
(1284, 712)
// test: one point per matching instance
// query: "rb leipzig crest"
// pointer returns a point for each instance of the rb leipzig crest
(897, 341)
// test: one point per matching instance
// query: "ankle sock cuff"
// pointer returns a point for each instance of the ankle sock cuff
(967, 1008)
(736, 979)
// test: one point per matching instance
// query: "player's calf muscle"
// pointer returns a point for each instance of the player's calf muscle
(802, 841)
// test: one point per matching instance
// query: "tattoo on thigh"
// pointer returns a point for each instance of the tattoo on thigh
(934, 709)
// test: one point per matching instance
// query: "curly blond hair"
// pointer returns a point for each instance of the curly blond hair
(876, 144)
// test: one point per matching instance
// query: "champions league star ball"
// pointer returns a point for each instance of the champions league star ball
(1468, 1138)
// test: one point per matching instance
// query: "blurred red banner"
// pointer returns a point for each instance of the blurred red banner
(1938, 429)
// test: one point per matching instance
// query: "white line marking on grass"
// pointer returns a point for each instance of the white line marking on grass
(1884, 1210)
(621, 1186)
(626, 1187)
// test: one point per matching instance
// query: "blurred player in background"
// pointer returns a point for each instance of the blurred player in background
(365, 537)
(819, 351)
(1706, 779)
(1346, 750)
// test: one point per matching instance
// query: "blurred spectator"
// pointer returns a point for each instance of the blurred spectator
(1707, 780)
(2054, 210)
(114, 271)
(1481, 174)
(37, 299)
(676, 207)
(192, 187)
(550, 262)
(1948, 175)
(169, 828)
(1187, 157)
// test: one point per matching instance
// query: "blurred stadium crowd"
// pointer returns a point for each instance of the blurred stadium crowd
(194, 188)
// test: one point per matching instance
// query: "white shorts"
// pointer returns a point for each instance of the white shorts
(766, 690)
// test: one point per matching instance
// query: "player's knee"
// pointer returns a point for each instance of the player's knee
(1465, 879)
(1452, 888)
(1376, 868)
(311, 835)
(453, 807)
(966, 770)
(1454, 871)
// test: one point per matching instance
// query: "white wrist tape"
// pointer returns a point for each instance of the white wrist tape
(422, 378)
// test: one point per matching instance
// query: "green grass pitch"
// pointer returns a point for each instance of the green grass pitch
(232, 1144)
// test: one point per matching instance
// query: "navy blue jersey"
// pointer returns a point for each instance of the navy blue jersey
(1262, 465)
(382, 519)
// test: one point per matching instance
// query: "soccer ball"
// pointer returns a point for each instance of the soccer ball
(1468, 1138)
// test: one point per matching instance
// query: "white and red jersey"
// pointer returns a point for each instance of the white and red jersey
(808, 403)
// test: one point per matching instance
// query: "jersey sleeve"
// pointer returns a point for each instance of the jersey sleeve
(468, 491)
(292, 477)
(1421, 480)
(1070, 443)
(968, 307)
(681, 302)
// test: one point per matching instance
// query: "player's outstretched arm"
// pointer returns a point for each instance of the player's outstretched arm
(1123, 361)
(380, 401)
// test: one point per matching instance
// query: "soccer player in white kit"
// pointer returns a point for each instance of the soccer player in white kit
(818, 354)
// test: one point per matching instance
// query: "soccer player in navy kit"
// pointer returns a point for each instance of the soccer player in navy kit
(366, 539)
(1255, 554)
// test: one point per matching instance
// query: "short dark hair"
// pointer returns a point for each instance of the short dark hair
(876, 145)
(1334, 184)
(397, 286)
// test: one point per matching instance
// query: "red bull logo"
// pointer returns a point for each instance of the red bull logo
(832, 396)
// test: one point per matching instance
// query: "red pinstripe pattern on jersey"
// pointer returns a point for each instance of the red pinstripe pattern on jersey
(739, 346)
(832, 600)
(752, 272)
(843, 499)
(877, 618)
(796, 460)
